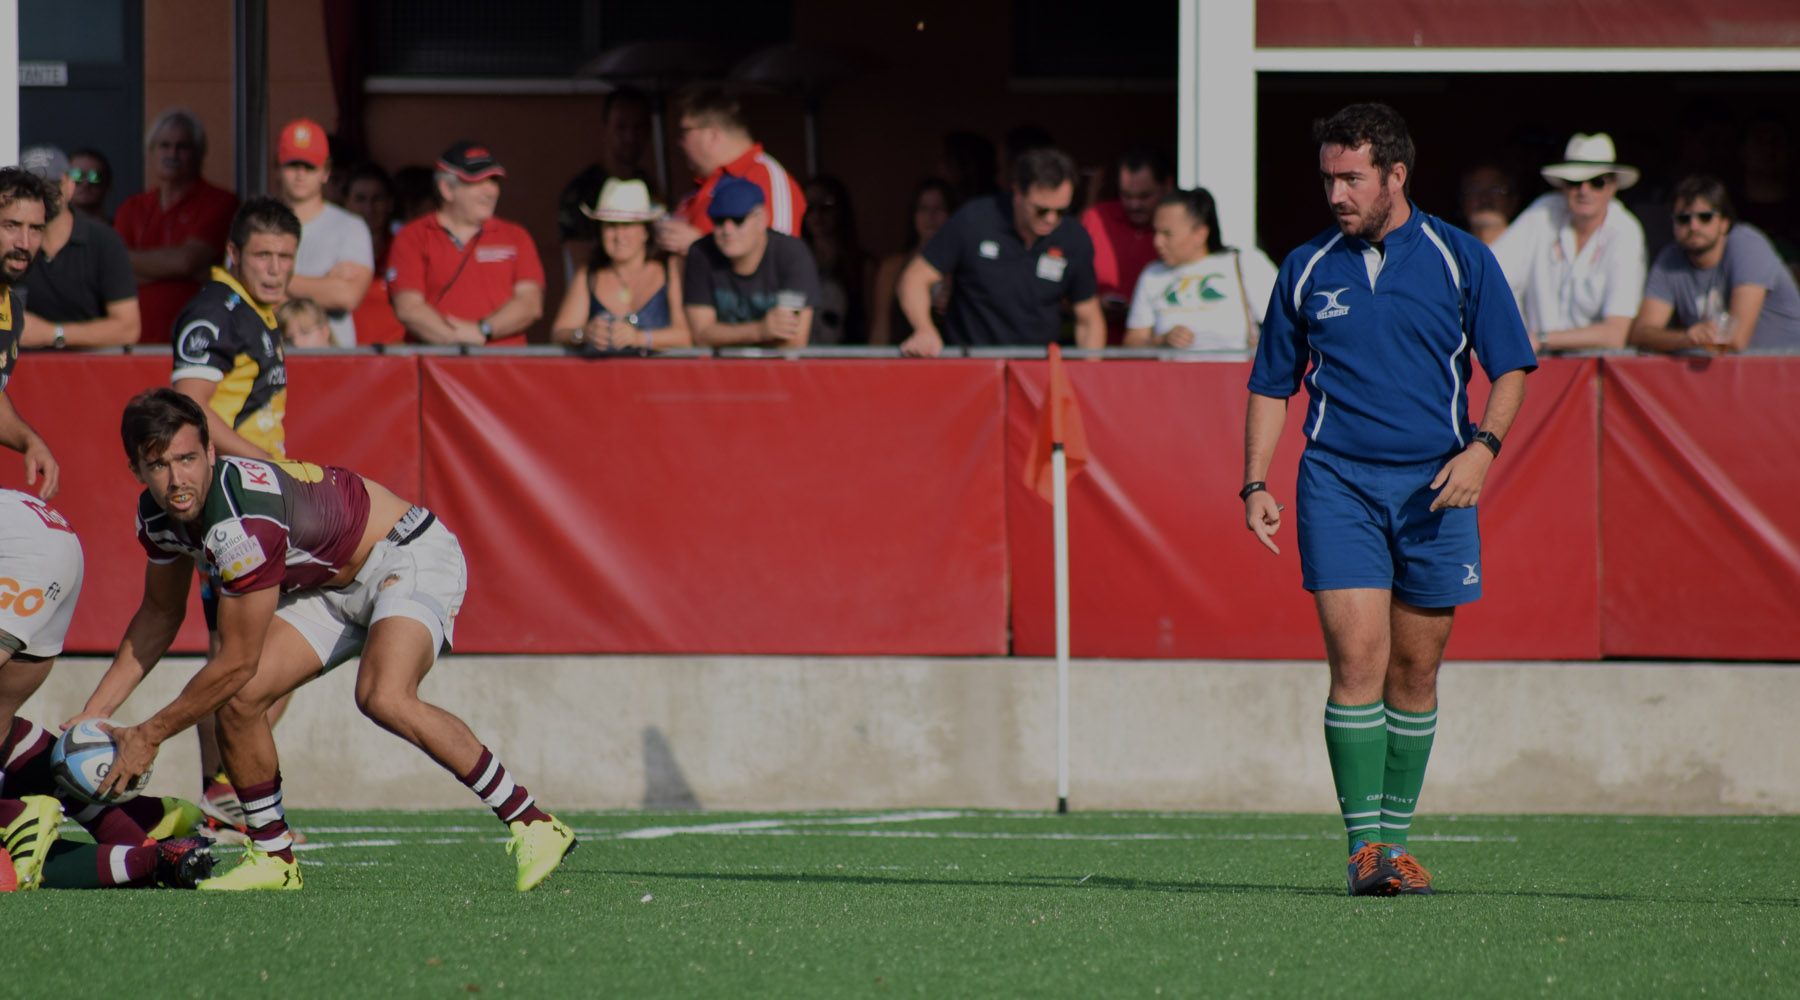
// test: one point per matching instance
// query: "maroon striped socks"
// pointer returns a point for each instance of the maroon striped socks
(510, 801)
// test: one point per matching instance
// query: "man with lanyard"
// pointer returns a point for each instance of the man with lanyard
(461, 275)
(1383, 309)
(316, 566)
(228, 359)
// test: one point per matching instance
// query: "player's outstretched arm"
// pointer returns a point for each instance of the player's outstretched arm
(243, 623)
(16, 434)
(147, 638)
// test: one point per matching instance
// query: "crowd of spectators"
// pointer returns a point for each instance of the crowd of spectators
(1577, 262)
(1007, 246)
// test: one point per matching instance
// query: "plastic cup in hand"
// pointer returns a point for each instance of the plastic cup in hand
(790, 299)
(1721, 339)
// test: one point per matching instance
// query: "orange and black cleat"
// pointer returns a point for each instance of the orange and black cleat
(1414, 879)
(1370, 872)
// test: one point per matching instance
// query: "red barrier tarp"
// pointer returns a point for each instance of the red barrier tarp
(1161, 564)
(1700, 522)
(360, 411)
(1540, 542)
(830, 507)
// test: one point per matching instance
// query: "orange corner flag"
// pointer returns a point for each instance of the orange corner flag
(1058, 423)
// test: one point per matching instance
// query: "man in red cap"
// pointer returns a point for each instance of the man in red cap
(176, 230)
(460, 275)
(336, 260)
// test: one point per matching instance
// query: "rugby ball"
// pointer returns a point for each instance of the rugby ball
(81, 759)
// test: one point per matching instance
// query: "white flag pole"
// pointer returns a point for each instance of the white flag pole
(1060, 520)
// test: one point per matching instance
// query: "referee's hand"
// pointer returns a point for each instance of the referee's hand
(1459, 482)
(1262, 515)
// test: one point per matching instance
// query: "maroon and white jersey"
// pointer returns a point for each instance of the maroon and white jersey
(264, 524)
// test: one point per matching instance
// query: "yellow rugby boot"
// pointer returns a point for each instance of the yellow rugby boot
(257, 871)
(180, 818)
(538, 848)
(29, 836)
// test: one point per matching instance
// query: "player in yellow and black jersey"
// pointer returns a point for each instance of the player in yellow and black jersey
(227, 344)
(228, 359)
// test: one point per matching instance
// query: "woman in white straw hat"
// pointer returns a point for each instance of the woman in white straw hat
(1575, 257)
(627, 298)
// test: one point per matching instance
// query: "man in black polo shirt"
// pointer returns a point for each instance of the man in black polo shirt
(1012, 260)
(80, 291)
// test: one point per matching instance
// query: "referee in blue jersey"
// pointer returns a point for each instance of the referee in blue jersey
(1377, 317)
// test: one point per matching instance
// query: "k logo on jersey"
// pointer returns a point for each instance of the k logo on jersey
(1332, 306)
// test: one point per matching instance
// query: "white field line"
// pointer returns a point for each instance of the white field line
(748, 826)
(310, 846)
(985, 835)
(820, 827)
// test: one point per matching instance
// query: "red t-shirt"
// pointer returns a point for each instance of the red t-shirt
(1121, 252)
(205, 213)
(374, 316)
(782, 196)
(424, 258)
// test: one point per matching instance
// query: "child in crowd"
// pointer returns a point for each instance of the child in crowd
(303, 324)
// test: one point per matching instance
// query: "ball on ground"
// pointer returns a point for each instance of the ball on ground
(82, 758)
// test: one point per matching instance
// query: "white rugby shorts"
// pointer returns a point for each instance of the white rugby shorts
(40, 575)
(422, 578)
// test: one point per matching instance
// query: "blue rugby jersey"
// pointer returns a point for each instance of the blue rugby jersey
(1388, 340)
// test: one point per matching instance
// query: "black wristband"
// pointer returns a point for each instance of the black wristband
(1257, 487)
(1490, 439)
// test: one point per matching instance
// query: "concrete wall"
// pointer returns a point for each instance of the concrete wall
(745, 733)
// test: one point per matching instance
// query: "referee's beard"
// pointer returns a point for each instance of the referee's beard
(1374, 221)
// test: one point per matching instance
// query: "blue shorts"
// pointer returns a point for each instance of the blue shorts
(1370, 524)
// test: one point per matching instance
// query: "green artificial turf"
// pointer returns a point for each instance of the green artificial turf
(951, 904)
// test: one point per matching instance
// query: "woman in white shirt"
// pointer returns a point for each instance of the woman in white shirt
(1202, 295)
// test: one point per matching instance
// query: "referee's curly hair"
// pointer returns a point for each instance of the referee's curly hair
(17, 183)
(1378, 125)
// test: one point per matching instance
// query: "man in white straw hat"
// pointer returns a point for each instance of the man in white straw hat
(1575, 257)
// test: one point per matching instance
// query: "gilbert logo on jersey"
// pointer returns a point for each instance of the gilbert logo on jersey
(1332, 306)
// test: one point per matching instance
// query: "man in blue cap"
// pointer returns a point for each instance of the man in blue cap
(747, 286)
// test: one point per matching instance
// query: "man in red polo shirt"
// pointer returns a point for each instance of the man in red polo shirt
(717, 142)
(1124, 242)
(176, 231)
(459, 275)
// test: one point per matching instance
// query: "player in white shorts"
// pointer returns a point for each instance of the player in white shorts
(315, 565)
(40, 580)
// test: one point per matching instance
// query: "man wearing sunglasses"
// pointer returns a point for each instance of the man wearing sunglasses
(1012, 260)
(1575, 257)
(1720, 286)
(93, 183)
(747, 285)
(80, 291)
